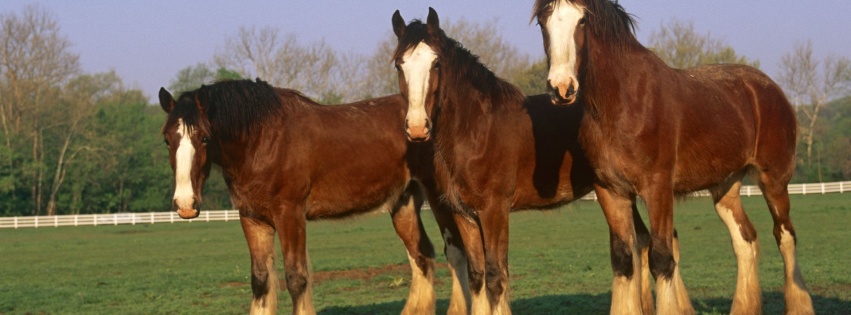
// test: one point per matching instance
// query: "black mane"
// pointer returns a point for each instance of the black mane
(233, 107)
(466, 66)
(607, 19)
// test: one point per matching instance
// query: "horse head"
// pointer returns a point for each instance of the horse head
(562, 25)
(186, 134)
(417, 62)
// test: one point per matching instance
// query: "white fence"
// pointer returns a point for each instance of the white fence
(794, 189)
(113, 219)
(231, 215)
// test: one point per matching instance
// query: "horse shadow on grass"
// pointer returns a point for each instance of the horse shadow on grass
(597, 304)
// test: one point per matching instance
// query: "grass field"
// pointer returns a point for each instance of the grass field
(559, 262)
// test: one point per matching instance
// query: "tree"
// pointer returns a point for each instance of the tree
(34, 62)
(810, 88)
(78, 102)
(193, 77)
(533, 80)
(282, 61)
(680, 46)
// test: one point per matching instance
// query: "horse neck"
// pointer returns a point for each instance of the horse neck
(610, 77)
(470, 93)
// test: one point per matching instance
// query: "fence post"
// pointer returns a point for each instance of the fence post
(36, 221)
(76, 220)
(171, 216)
(822, 188)
(55, 221)
(16, 223)
(804, 189)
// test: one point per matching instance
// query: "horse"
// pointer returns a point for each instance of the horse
(495, 150)
(287, 159)
(657, 132)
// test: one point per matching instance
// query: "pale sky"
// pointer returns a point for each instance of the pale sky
(147, 42)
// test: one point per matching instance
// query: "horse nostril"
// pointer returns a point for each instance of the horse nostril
(571, 90)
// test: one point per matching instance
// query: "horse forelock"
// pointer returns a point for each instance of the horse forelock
(415, 33)
(186, 111)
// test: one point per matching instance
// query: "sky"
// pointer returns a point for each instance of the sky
(148, 42)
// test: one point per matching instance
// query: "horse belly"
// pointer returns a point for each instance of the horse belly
(359, 192)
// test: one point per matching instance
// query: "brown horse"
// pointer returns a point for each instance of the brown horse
(287, 159)
(655, 132)
(495, 150)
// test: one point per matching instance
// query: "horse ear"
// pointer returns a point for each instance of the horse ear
(199, 103)
(432, 22)
(166, 101)
(398, 24)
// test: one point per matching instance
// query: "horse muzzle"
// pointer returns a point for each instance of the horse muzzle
(187, 212)
(563, 94)
(418, 132)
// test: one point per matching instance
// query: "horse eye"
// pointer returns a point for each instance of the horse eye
(165, 141)
(205, 140)
(398, 69)
(437, 65)
(582, 22)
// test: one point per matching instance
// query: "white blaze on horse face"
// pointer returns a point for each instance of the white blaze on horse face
(184, 196)
(416, 65)
(560, 28)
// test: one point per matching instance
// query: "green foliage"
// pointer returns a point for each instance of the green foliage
(559, 263)
(832, 146)
(533, 80)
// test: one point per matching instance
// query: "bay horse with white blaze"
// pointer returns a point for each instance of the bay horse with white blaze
(656, 132)
(287, 160)
(495, 150)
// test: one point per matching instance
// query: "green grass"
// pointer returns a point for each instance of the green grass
(559, 263)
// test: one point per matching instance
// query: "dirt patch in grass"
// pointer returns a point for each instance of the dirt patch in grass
(365, 274)
(360, 274)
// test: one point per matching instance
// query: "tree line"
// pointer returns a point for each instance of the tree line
(76, 143)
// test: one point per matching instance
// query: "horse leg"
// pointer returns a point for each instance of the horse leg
(264, 282)
(471, 236)
(728, 205)
(643, 242)
(797, 297)
(494, 223)
(459, 302)
(683, 301)
(626, 283)
(293, 237)
(409, 228)
(660, 205)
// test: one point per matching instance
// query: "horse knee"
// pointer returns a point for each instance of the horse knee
(260, 283)
(296, 283)
(662, 262)
(494, 280)
(425, 264)
(621, 258)
(477, 278)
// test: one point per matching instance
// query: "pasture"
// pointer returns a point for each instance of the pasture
(559, 263)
